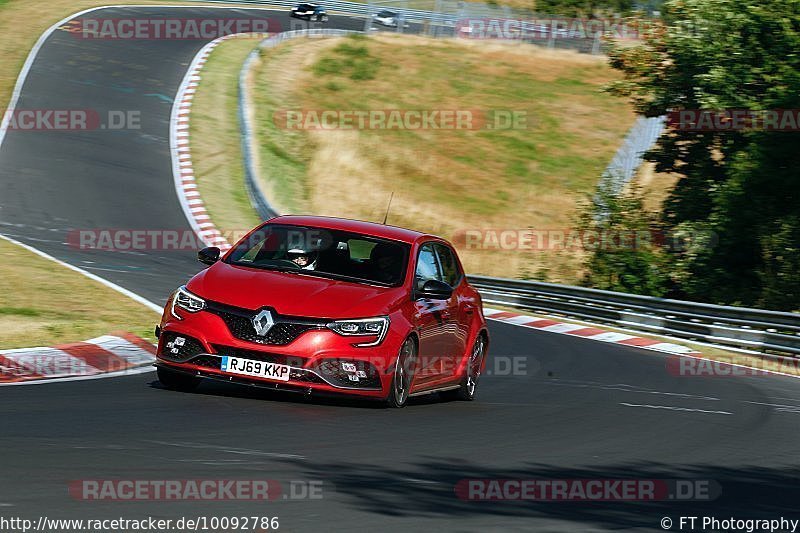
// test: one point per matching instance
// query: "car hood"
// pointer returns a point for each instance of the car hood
(293, 294)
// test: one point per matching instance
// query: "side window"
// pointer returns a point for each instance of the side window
(427, 266)
(450, 270)
(359, 249)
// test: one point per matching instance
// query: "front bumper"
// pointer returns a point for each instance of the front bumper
(320, 360)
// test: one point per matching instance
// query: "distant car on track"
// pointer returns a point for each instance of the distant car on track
(327, 305)
(313, 12)
(387, 18)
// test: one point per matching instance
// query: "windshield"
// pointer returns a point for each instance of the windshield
(386, 14)
(324, 253)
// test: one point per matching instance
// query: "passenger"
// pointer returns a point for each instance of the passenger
(385, 260)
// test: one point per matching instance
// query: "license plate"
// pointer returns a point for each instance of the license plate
(259, 369)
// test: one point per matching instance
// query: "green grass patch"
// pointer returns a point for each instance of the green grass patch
(19, 311)
(42, 304)
(445, 180)
(349, 60)
(216, 142)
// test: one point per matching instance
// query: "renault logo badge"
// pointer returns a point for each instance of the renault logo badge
(263, 322)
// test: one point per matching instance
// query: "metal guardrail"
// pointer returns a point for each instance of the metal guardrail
(737, 327)
(350, 8)
(640, 138)
(442, 23)
(258, 198)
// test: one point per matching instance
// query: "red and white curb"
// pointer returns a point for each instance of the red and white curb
(182, 170)
(587, 332)
(118, 353)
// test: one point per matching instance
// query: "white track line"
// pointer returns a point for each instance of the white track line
(12, 104)
(674, 408)
(10, 109)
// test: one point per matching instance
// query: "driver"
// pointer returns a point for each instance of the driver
(307, 260)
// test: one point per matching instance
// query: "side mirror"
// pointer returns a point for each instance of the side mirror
(208, 256)
(435, 290)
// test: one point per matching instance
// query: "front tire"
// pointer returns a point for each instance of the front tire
(177, 380)
(403, 374)
(469, 382)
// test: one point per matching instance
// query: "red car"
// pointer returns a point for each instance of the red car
(327, 305)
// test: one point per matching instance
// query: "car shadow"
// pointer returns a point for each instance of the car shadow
(238, 390)
(428, 489)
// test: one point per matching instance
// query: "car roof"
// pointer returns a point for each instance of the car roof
(371, 229)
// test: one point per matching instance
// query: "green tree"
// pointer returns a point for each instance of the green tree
(739, 185)
(626, 257)
(584, 8)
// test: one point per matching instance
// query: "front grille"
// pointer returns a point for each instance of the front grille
(240, 323)
(207, 361)
(179, 347)
(280, 334)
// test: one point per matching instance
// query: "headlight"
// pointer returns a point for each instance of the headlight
(377, 327)
(187, 301)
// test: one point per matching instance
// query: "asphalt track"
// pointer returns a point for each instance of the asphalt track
(580, 409)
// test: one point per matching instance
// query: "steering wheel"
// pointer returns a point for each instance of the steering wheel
(286, 263)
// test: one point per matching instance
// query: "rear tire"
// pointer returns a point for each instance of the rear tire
(177, 380)
(469, 382)
(403, 374)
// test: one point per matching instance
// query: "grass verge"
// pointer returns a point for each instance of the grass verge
(44, 304)
(448, 180)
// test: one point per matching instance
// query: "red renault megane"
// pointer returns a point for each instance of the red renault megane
(326, 305)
